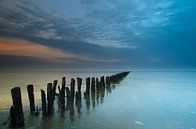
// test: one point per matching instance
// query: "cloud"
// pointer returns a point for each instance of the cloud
(79, 20)
(94, 30)
(29, 19)
(18, 47)
(48, 34)
(105, 23)
(110, 43)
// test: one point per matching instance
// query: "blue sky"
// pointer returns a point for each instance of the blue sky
(121, 33)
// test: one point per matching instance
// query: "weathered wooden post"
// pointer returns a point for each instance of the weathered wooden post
(79, 82)
(116, 78)
(78, 101)
(43, 98)
(16, 112)
(72, 112)
(108, 85)
(54, 85)
(72, 94)
(93, 91)
(68, 94)
(50, 98)
(77, 96)
(102, 81)
(87, 92)
(97, 90)
(72, 90)
(61, 96)
(107, 80)
(63, 81)
(30, 91)
(93, 85)
(62, 93)
(102, 88)
(97, 84)
(112, 79)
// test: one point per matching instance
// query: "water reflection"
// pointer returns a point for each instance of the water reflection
(91, 99)
(155, 100)
(67, 102)
(78, 103)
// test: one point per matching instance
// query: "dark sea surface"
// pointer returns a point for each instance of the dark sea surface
(145, 99)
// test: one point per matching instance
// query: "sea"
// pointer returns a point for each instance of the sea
(145, 99)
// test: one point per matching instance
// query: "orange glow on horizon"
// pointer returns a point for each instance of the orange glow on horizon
(18, 47)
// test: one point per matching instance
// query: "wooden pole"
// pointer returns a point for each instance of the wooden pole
(68, 98)
(72, 90)
(102, 81)
(50, 98)
(93, 85)
(43, 98)
(16, 112)
(79, 82)
(54, 85)
(87, 92)
(97, 90)
(116, 78)
(107, 80)
(30, 91)
(62, 93)
(63, 81)
(97, 84)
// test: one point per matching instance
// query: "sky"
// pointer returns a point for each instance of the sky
(97, 33)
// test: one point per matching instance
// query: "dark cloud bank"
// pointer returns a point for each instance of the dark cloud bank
(108, 34)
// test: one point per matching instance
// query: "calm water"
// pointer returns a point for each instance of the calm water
(143, 100)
